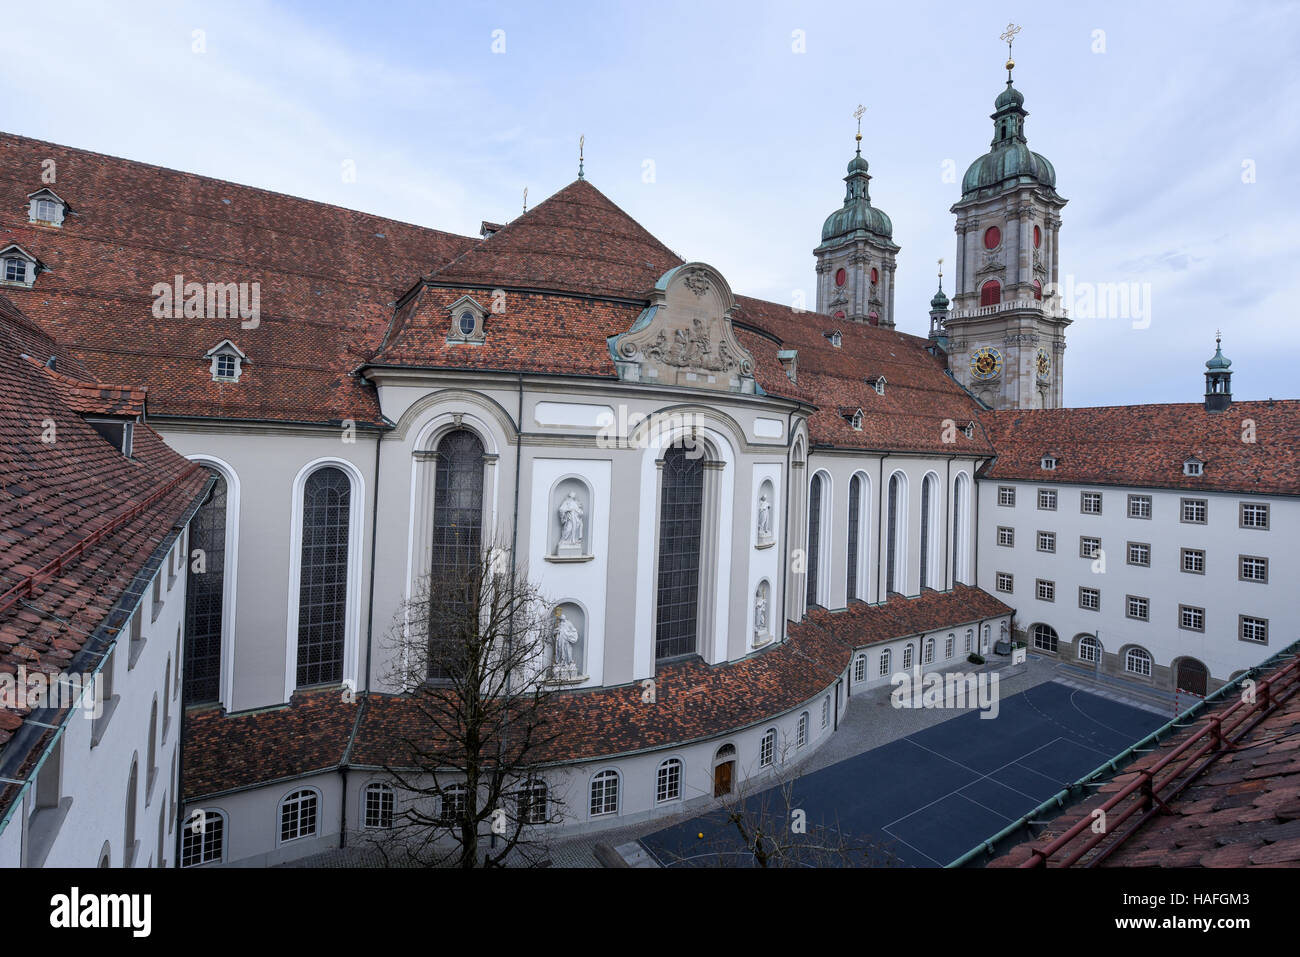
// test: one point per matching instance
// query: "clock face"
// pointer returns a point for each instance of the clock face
(1043, 363)
(986, 363)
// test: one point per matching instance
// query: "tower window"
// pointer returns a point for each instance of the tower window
(681, 519)
(840, 314)
(992, 238)
(990, 293)
(841, 277)
(1038, 289)
(1038, 237)
(875, 276)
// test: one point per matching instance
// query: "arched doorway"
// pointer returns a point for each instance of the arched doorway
(1192, 677)
(724, 770)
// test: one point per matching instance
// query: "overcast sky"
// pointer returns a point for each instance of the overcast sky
(1172, 127)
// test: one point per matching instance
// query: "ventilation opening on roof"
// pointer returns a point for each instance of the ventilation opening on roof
(119, 433)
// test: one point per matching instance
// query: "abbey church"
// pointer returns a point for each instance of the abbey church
(763, 512)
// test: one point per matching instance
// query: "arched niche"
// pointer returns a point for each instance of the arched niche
(765, 514)
(567, 640)
(570, 521)
(762, 613)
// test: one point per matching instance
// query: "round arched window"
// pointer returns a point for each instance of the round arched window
(841, 277)
(840, 314)
(992, 237)
(467, 324)
(1038, 289)
(990, 293)
(875, 275)
(1038, 237)
(873, 318)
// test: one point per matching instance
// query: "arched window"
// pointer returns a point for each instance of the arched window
(990, 293)
(929, 651)
(106, 856)
(533, 807)
(203, 839)
(884, 662)
(205, 597)
(860, 668)
(826, 712)
(298, 813)
(457, 539)
(167, 698)
(929, 501)
(855, 508)
(1089, 649)
(323, 576)
(1138, 662)
(802, 734)
(453, 805)
(604, 793)
(894, 560)
(128, 831)
(380, 801)
(1038, 286)
(151, 752)
(1044, 638)
(814, 535)
(668, 781)
(907, 656)
(960, 533)
(681, 517)
(767, 748)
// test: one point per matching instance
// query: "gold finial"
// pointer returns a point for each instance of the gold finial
(525, 199)
(1010, 35)
(581, 142)
(858, 114)
(940, 270)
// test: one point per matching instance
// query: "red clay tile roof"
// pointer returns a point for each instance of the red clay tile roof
(1241, 810)
(693, 701)
(1146, 445)
(328, 280)
(78, 519)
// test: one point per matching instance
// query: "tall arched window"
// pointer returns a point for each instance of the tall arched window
(457, 538)
(990, 293)
(323, 577)
(204, 597)
(958, 528)
(681, 517)
(814, 535)
(855, 509)
(927, 529)
(128, 831)
(891, 543)
(151, 761)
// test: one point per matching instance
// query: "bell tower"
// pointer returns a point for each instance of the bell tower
(855, 261)
(1007, 329)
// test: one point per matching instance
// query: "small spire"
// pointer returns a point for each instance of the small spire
(581, 143)
(858, 113)
(525, 199)
(1010, 35)
(941, 274)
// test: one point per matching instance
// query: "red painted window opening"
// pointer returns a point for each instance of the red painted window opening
(1038, 237)
(873, 318)
(990, 293)
(841, 277)
(992, 237)
(1038, 289)
(875, 276)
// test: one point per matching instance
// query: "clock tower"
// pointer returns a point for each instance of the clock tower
(1006, 333)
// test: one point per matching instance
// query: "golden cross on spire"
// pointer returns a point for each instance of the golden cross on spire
(941, 269)
(858, 115)
(525, 199)
(581, 142)
(1010, 36)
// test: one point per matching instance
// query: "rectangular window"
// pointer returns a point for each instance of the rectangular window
(1139, 506)
(1253, 629)
(1193, 561)
(1006, 582)
(1089, 546)
(1191, 618)
(1006, 495)
(1254, 515)
(1047, 499)
(1138, 608)
(1047, 541)
(1090, 598)
(1139, 553)
(1252, 568)
(1194, 511)
(1006, 536)
(1090, 503)
(860, 668)
(1046, 590)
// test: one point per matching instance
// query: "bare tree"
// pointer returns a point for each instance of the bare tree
(472, 653)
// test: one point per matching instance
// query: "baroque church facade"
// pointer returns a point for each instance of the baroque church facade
(755, 511)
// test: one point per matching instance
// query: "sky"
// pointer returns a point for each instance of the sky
(724, 129)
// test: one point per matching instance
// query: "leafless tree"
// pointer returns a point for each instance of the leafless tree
(472, 652)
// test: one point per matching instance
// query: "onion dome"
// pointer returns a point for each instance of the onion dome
(857, 218)
(1219, 362)
(1009, 161)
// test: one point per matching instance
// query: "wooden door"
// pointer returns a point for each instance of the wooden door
(722, 778)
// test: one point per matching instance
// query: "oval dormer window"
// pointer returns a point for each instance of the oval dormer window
(467, 323)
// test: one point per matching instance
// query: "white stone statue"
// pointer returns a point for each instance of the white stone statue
(571, 514)
(566, 640)
(760, 614)
(764, 517)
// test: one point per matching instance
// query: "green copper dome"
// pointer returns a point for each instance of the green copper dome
(857, 216)
(1009, 162)
(940, 301)
(1219, 362)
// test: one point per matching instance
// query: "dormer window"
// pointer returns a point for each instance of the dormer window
(968, 430)
(467, 321)
(120, 433)
(18, 267)
(1193, 466)
(836, 339)
(45, 207)
(856, 421)
(227, 361)
(1048, 463)
(789, 359)
(877, 382)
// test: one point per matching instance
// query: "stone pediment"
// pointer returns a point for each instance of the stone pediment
(684, 337)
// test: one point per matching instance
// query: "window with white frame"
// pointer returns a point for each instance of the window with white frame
(203, 839)
(226, 367)
(379, 803)
(1006, 536)
(826, 712)
(455, 801)
(1089, 546)
(948, 644)
(1045, 638)
(1089, 649)
(1047, 499)
(927, 656)
(801, 730)
(1048, 463)
(860, 668)
(1253, 568)
(604, 793)
(1046, 590)
(1090, 598)
(1137, 608)
(1193, 511)
(1138, 662)
(907, 656)
(668, 781)
(969, 637)
(533, 806)
(1047, 541)
(767, 748)
(298, 813)
(15, 270)
(1191, 618)
(1006, 495)
(1192, 467)
(1193, 561)
(1090, 503)
(1139, 506)
(1253, 629)
(884, 662)
(1139, 553)
(46, 207)
(1254, 515)
(1005, 581)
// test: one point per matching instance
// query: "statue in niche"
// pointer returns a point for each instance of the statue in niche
(566, 638)
(571, 514)
(764, 517)
(760, 614)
